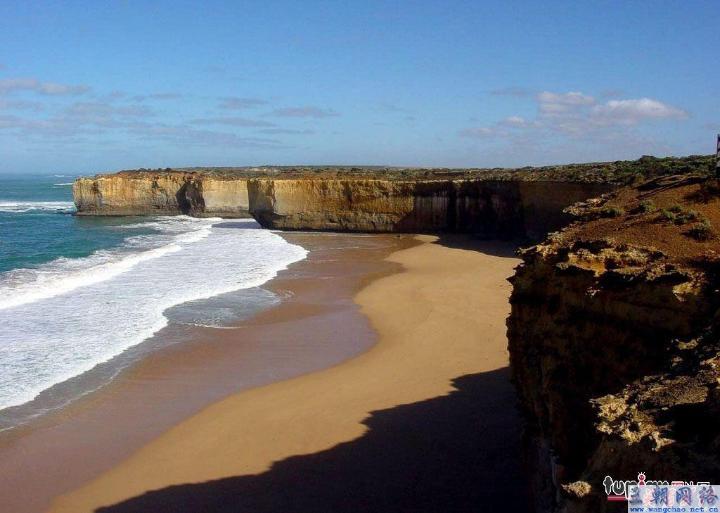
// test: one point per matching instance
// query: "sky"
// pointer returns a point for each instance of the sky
(100, 86)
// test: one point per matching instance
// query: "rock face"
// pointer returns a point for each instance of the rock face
(487, 208)
(147, 193)
(524, 202)
(614, 347)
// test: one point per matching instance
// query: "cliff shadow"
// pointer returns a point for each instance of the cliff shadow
(496, 247)
(454, 453)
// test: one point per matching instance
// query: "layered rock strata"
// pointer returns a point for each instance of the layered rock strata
(171, 193)
(489, 208)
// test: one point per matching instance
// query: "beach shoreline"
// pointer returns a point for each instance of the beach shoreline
(63, 449)
(424, 420)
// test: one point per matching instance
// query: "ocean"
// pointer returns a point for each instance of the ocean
(81, 298)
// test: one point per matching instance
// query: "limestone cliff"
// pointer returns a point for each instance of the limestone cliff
(526, 202)
(490, 208)
(165, 192)
(614, 344)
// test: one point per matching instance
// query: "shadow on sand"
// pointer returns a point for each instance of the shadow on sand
(454, 453)
(493, 247)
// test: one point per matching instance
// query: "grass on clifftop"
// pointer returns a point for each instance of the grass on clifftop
(678, 215)
(619, 172)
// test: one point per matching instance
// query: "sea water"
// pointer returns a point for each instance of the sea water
(81, 295)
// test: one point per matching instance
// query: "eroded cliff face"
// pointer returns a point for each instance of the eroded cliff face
(489, 202)
(161, 193)
(487, 208)
(613, 341)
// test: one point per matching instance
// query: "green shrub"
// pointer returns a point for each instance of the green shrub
(611, 212)
(678, 215)
(647, 206)
(702, 231)
(667, 215)
(694, 215)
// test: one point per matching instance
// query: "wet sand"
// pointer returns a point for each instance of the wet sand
(316, 326)
(423, 421)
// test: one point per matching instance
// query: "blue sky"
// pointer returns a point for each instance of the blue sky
(96, 86)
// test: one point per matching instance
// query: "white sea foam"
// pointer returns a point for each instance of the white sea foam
(62, 319)
(62, 184)
(27, 206)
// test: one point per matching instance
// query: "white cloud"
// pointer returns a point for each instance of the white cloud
(75, 119)
(88, 110)
(512, 91)
(187, 136)
(562, 104)
(155, 96)
(9, 85)
(573, 116)
(571, 98)
(236, 103)
(21, 105)
(304, 112)
(391, 107)
(232, 121)
(503, 128)
(51, 88)
(100, 117)
(481, 132)
(631, 112)
(578, 113)
(515, 122)
(286, 131)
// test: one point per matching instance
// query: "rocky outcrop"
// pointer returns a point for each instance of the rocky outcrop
(614, 347)
(156, 193)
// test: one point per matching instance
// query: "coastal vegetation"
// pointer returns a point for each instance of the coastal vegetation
(617, 172)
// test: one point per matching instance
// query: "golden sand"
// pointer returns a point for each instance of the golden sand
(441, 318)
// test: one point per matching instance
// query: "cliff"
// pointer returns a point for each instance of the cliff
(526, 202)
(161, 193)
(614, 344)
(489, 208)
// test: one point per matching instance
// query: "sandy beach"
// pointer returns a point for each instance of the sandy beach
(316, 325)
(423, 421)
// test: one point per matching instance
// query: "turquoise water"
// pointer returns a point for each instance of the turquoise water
(78, 293)
(37, 225)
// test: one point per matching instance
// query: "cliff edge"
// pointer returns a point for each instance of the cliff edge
(615, 344)
(492, 203)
